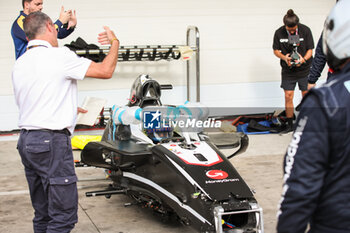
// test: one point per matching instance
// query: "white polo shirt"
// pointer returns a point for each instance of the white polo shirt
(45, 86)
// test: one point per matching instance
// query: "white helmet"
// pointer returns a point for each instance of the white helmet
(336, 35)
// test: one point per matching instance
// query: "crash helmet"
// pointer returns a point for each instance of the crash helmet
(336, 35)
(145, 92)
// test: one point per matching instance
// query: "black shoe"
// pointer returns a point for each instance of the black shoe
(287, 130)
(288, 127)
(254, 126)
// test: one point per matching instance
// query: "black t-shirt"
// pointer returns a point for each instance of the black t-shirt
(280, 42)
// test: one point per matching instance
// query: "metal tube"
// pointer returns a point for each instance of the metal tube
(104, 193)
(132, 50)
(219, 212)
(193, 29)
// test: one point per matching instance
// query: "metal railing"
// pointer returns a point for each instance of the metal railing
(131, 53)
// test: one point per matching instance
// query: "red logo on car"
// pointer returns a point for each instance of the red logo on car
(217, 174)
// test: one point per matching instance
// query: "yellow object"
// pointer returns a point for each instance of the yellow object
(222, 222)
(114, 40)
(80, 141)
(20, 21)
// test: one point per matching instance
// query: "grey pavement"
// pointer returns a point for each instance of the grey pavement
(260, 166)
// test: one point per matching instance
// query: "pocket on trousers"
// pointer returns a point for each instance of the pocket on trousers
(38, 148)
(63, 192)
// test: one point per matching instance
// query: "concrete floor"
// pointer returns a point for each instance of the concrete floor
(260, 166)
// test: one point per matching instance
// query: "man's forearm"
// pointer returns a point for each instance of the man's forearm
(62, 32)
(308, 54)
(105, 69)
(110, 61)
(283, 57)
(279, 54)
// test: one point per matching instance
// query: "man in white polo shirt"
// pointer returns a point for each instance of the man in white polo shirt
(45, 87)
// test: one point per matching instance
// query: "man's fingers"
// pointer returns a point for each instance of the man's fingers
(103, 41)
(102, 34)
(82, 110)
(100, 38)
(106, 36)
(62, 9)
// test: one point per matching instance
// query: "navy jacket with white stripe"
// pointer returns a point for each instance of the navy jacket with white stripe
(316, 188)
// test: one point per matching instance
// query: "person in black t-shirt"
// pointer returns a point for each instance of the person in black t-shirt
(293, 36)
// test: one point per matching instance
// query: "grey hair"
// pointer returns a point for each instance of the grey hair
(35, 24)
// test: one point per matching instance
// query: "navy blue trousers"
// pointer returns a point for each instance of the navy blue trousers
(49, 168)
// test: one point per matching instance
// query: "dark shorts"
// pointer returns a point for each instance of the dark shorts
(289, 85)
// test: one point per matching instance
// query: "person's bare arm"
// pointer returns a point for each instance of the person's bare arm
(308, 55)
(310, 85)
(105, 69)
(280, 55)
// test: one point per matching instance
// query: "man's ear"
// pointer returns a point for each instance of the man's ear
(26, 5)
(49, 26)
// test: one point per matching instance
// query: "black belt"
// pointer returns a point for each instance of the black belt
(63, 131)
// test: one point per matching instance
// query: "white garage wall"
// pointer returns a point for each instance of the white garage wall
(238, 67)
